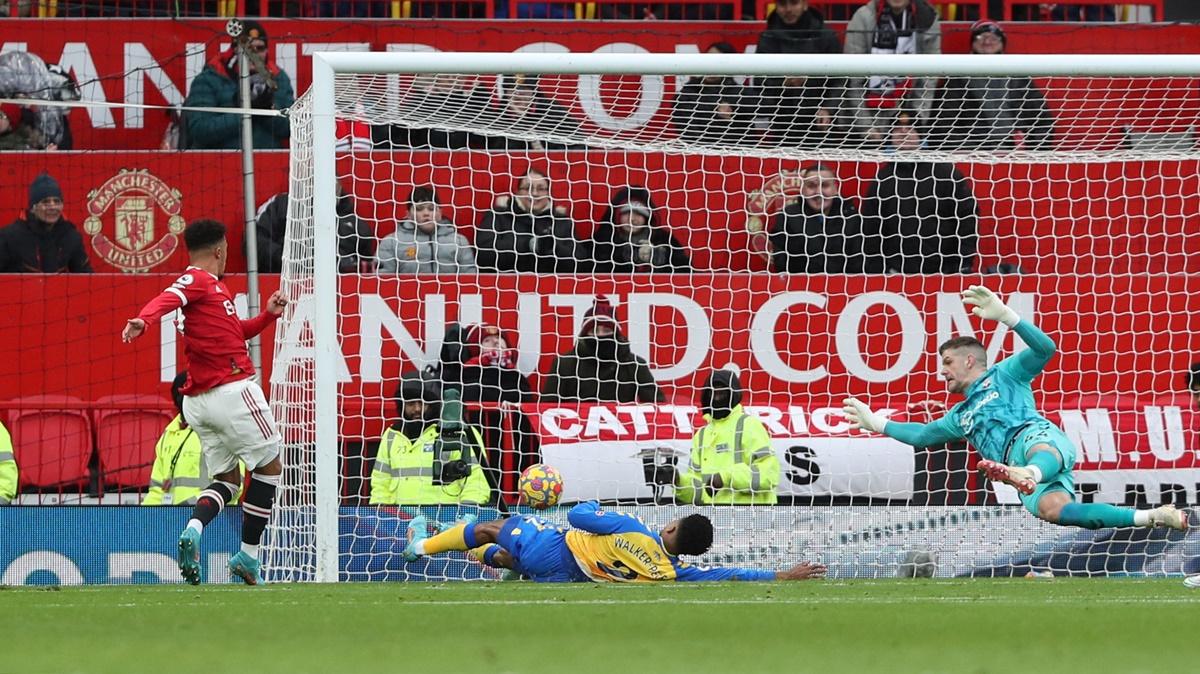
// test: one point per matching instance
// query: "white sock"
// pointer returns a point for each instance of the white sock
(1037, 472)
(251, 550)
(419, 548)
(1141, 518)
(195, 524)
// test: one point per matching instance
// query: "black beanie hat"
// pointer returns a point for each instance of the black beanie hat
(43, 187)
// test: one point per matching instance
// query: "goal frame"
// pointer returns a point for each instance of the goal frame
(327, 65)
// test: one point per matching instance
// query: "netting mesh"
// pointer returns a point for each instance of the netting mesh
(811, 234)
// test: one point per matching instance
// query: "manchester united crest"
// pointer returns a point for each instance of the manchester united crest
(139, 202)
(764, 203)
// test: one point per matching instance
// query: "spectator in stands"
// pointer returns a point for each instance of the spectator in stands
(920, 216)
(890, 27)
(488, 371)
(523, 108)
(356, 243)
(17, 133)
(799, 110)
(217, 86)
(601, 367)
(411, 447)
(179, 473)
(9, 477)
(633, 240)
(44, 242)
(1192, 380)
(451, 99)
(528, 233)
(990, 113)
(713, 109)
(426, 242)
(819, 233)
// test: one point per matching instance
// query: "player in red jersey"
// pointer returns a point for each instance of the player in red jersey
(221, 400)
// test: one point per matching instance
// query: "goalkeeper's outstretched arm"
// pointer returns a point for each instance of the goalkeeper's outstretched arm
(1029, 363)
(918, 435)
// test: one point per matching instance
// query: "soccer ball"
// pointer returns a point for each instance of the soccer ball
(541, 486)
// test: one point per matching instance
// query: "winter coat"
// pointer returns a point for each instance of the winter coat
(809, 35)
(453, 108)
(580, 375)
(30, 246)
(409, 250)
(807, 241)
(983, 113)
(922, 219)
(860, 35)
(653, 250)
(356, 243)
(216, 87)
(791, 107)
(512, 239)
(695, 114)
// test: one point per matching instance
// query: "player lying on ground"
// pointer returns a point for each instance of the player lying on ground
(1020, 447)
(221, 400)
(600, 546)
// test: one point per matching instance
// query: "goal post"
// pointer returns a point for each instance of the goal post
(1124, 226)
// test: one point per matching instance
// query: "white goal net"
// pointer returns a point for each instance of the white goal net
(574, 243)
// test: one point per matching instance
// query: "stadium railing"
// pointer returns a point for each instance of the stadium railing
(1040, 7)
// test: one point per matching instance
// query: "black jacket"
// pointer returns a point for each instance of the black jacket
(983, 113)
(512, 239)
(921, 218)
(806, 241)
(30, 246)
(355, 241)
(654, 250)
(792, 108)
(696, 116)
(581, 375)
(809, 35)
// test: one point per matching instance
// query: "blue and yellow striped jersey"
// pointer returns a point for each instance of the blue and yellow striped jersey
(616, 547)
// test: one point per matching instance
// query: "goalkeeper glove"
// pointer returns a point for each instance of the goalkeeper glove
(861, 417)
(988, 306)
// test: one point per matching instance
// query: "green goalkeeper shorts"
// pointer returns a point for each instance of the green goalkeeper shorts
(1045, 433)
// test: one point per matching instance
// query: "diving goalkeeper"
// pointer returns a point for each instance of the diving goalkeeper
(600, 546)
(1019, 446)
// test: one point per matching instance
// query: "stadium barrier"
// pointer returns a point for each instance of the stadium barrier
(77, 545)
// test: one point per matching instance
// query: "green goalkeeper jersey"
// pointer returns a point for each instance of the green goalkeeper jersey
(997, 406)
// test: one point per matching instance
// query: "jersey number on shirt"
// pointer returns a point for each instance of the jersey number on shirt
(619, 570)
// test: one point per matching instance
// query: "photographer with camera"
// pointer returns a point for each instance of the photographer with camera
(217, 86)
(732, 462)
(430, 456)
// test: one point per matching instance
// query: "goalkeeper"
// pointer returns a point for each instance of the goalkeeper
(1019, 446)
(600, 546)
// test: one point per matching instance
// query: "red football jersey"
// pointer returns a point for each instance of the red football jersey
(214, 338)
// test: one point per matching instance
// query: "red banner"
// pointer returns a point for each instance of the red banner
(153, 61)
(797, 340)
(1129, 217)
(601, 450)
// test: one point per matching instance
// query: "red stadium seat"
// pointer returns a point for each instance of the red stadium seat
(52, 441)
(127, 428)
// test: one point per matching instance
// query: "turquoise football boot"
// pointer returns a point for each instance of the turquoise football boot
(418, 530)
(247, 568)
(189, 555)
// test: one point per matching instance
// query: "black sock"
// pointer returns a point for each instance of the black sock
(256, 507)
(212, 501)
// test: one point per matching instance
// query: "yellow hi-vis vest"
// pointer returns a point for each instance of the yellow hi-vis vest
(179, 473)
(739, 450)
(8, 468)
(403, 472)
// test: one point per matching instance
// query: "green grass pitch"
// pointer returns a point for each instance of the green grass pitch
(1014, 626)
